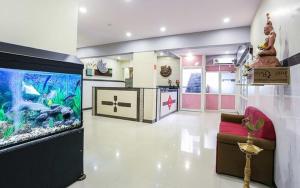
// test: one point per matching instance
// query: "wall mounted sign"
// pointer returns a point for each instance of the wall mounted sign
(98, 73)
(165, 71)
(278, 75)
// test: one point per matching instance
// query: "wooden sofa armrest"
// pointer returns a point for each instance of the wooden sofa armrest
(234, 118)
(233, 140)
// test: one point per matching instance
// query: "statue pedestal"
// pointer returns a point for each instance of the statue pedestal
(269, 76)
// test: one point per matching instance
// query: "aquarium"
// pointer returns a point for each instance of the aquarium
(35, 104)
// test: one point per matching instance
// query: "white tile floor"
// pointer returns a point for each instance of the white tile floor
(177, 152)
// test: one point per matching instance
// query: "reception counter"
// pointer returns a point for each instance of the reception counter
(136, 104)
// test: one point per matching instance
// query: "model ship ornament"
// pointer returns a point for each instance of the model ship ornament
(266, 56)
(102, 67)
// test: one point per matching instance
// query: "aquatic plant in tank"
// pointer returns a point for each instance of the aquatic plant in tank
(35, 104)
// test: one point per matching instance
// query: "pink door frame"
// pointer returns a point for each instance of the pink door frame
(192, 101)
(220, 101)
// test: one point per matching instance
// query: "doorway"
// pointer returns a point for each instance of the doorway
(192, 83)
(220, 92)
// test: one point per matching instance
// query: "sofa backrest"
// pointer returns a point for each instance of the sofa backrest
(267, 131)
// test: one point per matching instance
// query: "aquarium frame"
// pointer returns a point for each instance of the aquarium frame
(20, 62)
(52, 160)
(23, 62)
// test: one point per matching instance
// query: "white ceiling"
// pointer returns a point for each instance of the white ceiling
(143, 18)
(216, 50)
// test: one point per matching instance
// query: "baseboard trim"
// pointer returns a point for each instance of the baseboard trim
(90, 108)
(117, 117)
(149, 121)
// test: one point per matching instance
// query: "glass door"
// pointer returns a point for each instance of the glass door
(228, 90)
(191, 88)
(220, 91)
(212, 91)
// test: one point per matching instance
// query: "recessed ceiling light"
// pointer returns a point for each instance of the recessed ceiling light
(82, 10)
(226, 20)
(189, 54)
(128, 34)
(127, 1)
(163, 29)
(119, 58)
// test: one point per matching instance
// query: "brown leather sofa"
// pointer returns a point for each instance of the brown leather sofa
(231, 161)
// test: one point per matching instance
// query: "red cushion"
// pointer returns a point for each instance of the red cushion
(267, 131)
(232, 128)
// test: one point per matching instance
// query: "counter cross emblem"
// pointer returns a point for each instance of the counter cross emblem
(115, 104)
(169, 102)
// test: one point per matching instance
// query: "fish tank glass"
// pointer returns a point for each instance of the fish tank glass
(35, 104)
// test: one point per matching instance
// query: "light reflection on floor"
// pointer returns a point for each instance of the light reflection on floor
(177, 152)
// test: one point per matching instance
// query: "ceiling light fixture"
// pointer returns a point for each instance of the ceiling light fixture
(128, 34)
(226, 20)
(163, 29)
(82, 10)
(190, 56)
(119, 58)
(127, 1)
(161, 53)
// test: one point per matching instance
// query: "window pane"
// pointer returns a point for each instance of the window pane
(191, 80)
(228, 83)
(212, 82)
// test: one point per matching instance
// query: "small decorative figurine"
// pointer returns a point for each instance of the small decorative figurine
(267, 53)
(170, 83)
(177, 83)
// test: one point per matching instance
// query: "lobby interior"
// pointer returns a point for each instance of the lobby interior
(146, 94)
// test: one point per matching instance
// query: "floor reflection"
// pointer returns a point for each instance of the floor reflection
(189, 143)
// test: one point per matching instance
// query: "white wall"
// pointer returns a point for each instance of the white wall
(47, 24)
(174, 63)
(281, 103)
(144, 74)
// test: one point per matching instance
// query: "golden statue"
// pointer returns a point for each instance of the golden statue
(267, 53)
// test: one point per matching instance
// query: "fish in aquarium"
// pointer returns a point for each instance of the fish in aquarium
(35, 104)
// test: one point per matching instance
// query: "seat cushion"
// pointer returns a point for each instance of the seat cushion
(232, 129)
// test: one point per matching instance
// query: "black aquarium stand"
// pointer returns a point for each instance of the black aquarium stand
(52, 161)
